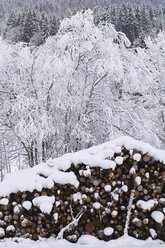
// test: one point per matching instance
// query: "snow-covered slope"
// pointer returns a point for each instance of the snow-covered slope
(54, 170)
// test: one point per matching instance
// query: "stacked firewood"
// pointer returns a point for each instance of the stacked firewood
(107, 203)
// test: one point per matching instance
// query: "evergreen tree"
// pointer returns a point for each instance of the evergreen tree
(22, 19)
(113, 15)
(35, 26)
(19, 19)
(30, 27)
(12, 21)
(130, 29)
(151, 13)
(44, 27)
(2, 12)
(27, 34)
(122, 18)
(53, 26)
(145, 21)
(137, 22)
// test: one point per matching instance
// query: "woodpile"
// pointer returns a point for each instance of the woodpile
(106, 204)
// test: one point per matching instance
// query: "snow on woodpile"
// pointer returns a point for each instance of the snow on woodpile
(108, 190)
(53, 169)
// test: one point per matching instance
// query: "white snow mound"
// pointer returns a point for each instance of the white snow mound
(158, 216)
(45, 203)
(27, 205)
(108, 231)
(146, 205)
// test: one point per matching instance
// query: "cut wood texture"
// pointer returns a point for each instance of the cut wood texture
(100, 201)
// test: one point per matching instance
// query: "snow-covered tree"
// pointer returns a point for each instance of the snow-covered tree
(83, 86)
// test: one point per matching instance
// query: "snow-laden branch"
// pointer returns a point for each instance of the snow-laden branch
(129, 211)
(74, 222)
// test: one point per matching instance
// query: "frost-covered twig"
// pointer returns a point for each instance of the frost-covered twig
(129, 212)
(73, 223)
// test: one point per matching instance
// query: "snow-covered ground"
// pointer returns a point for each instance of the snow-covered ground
(85, 241)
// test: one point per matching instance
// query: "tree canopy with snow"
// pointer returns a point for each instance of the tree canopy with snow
(83, 86)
